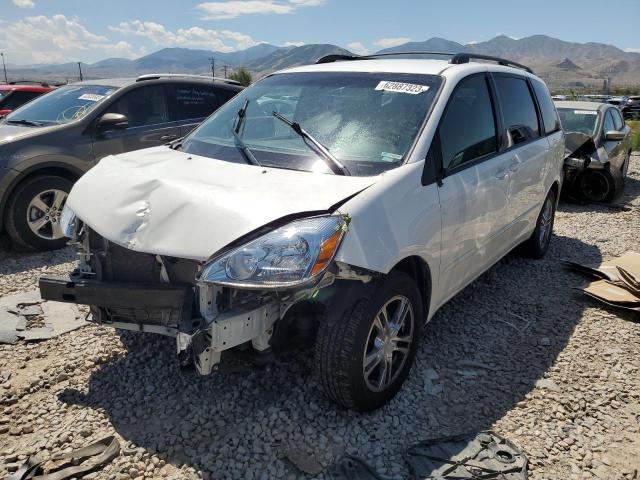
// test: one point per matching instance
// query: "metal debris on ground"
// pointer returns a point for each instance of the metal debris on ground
(26, 316)
(617, 281)
(73, 464)
(484, 455)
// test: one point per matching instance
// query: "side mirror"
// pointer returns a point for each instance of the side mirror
(112, 121)
(614, 136)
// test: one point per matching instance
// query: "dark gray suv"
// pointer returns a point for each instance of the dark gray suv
(46, 145)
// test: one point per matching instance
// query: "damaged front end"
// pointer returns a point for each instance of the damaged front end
(234, 299)
(583, 165)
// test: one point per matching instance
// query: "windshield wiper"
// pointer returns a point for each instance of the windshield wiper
(333, 163)
(246, 151)
(30, 123)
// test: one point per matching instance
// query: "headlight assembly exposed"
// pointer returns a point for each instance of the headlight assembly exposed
(286, 257)
(68, 222)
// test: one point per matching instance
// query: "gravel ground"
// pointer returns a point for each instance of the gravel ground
(518, 352)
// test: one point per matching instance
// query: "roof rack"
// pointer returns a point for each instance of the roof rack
(460, 58)
(456, 58)
(156, 76)
(340, 57)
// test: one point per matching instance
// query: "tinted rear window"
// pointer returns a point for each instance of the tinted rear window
(547, 109)
(518, 109)
(195, 101)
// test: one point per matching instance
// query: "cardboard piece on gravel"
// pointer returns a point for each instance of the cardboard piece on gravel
(609, 270)
(612, 294)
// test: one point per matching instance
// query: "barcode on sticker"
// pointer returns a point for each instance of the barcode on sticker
(92, 97)
(585, 112)
(401, 87)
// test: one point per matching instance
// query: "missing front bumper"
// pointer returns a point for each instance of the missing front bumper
(168, 309)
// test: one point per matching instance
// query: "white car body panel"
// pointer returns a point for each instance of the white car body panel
(170, 203)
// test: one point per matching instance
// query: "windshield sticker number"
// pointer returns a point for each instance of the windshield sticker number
(584, 112)
(92, 97)
(410, 88)
(390, 157)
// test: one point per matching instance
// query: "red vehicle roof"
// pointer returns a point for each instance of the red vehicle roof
(26, 88)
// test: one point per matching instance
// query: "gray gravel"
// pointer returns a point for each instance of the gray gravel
(518, 352)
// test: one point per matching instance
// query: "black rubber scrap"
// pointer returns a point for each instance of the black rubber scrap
(475, 456)
(92, 456)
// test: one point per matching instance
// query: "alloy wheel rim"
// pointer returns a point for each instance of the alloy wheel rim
(388, 343)
(43, 214)
(545, 222)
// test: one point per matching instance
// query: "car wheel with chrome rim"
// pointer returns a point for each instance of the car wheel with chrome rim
(364, 355)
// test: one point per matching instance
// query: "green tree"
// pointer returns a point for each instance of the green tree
(242, 76)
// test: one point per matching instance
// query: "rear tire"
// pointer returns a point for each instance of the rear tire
(33, 212)
(364, 356)
(538, 244)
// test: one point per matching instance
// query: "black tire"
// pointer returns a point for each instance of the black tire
(538, 244)
(601, 185)
(342, 343)
(18, 209)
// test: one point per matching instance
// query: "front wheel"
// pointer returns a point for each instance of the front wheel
(538, 244)
(364, 356)
(34, 211)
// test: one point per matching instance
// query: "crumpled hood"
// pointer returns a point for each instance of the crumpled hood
(171, 203)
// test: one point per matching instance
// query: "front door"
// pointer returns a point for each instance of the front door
(474, 190)
(150, 122)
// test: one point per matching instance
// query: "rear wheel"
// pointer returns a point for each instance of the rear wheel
(538, 244)
(34, 210)
(364, 357)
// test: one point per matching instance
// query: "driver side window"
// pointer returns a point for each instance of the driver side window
(467, 128)
(143, 106)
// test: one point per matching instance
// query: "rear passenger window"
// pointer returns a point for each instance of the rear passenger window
(547, 109)
(467, 129)
(518, 109)
(195, 101)
(608, 122)
(143, 106)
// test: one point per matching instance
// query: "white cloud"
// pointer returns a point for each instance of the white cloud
(220, 40)
(235, 8)
(24, 3)
(292, 44)
(391, 42)
(357, 48)
(42, 39)
(472, 42)
(632, 50)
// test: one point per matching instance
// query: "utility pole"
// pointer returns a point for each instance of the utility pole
(213, 67)
(225, 71)
(80, 69)
(4, 67)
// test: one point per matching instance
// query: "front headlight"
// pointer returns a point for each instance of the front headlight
(68, 222)
(286, 257)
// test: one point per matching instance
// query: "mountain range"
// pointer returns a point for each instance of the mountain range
(561, 64)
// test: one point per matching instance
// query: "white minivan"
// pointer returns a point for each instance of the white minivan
(343, 202)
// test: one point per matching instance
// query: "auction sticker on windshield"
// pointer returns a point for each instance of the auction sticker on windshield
(401, 87)
(585, 112)
(92, 97)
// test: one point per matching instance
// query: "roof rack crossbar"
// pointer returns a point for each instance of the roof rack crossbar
(341, 57)
(460, 58)
(155, 76)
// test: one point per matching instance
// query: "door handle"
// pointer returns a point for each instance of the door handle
(168, 137)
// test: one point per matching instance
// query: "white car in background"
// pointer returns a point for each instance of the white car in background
(345, 201)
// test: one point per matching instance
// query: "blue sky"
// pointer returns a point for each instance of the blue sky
(45, 31)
